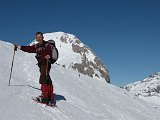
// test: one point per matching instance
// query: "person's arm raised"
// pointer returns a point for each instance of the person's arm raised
(29, 49)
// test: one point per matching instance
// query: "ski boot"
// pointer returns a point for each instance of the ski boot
(42, 100)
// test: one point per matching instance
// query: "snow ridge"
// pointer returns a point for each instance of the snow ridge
(147, 89)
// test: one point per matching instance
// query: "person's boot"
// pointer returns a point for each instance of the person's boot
(42, 99)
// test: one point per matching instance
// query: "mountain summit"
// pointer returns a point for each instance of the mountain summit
(150, 86)
(74, 54)
(147, 89)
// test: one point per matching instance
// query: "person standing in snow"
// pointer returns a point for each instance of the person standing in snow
(43, 52)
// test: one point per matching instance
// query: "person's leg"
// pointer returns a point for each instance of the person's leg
(50, 91)
(50, 86)
(44, 89)
(43, 77)
(44, 84)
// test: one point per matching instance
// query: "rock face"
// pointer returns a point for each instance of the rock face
(146, 88)
(76, 55)
(87, 67)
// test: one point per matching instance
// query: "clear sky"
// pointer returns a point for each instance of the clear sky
(125, 34)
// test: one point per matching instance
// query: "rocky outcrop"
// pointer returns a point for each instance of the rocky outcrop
(88, 67)
(150, 86)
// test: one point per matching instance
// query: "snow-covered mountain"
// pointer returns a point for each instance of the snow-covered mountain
(74, 54)
(148, 89)
(78, 98)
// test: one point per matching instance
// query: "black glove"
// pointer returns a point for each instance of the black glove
(16, 46)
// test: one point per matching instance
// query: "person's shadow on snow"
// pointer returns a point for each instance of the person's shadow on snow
(58, 97)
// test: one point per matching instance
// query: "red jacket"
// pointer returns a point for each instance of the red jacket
(42, 49)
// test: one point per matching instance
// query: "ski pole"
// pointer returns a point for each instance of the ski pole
(15, 49)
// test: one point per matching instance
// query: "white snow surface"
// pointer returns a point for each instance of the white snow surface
(147, 89)
(78, 98)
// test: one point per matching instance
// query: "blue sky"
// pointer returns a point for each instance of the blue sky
(124, 33)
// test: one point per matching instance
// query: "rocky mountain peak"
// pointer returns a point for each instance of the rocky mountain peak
(150, 86)
(74, 54)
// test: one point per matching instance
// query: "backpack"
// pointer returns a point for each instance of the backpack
(55, 53)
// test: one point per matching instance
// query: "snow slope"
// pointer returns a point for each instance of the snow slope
(147, 89)
(78, 98)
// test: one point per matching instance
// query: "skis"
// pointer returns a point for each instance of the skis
(53, 105)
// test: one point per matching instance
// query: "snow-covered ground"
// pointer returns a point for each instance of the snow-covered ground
(78, 98)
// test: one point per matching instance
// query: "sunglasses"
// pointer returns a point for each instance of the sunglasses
(39, 37)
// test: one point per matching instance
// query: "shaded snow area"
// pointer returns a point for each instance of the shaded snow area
(77, 98)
